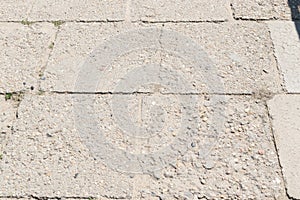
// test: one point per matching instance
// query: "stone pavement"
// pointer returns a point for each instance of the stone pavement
(161, 99)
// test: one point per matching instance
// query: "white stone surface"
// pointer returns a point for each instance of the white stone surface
(7, 116)
(241, 53)
(261, 9)
(287, 50)
(78, 10)
(15, 10)
(285, 112)
(25, 52)
(172, 10)
(46, 156)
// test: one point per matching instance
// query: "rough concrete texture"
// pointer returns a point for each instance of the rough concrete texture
(154, 100)
(45, 157)
(15, 10)
(94, 10)
(241, 53)
(287, 50)
(56, 163)
(261, 9)
(75, 41)
(172, 10)
(285, 112)
(25, 52)
(7, 116)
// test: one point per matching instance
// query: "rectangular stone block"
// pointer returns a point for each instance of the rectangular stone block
(285, 112)
(286, 41)
(78, 10)
(269, 9)
(48, 156)
(15, 10)
(75, 45)
(238, 56)
(7, 117)
(24, 54)
(171, 10)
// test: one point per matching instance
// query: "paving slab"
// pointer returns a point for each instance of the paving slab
(172, 10)
(74, 43)
(7, 116)
(269, 9)
(78, 10)
(238, 55)
(287, 50)
(15, 10)
(26, 50)
(284, 110)
(15, 198)
(49, 156)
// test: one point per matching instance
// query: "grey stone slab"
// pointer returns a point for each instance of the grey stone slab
(284, 110)
(15, 10)
(287, 50)
(238, 56)
(25, 51)
(49, 156)
(172, 10)
(259, 9)
(79, 10)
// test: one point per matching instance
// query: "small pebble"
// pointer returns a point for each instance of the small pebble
(76, 175)
(202, 181)
(261, 152)
(197, 164)
(188, 195)
(193, 144)
(209, 164)
(157, 174)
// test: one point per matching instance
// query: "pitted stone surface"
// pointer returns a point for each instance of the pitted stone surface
(51, 160)
(261, 9)
(241, 53)
(15, 10)
(45, 157)
(79, 10)
(75, 42)
(7, 116)
(171, 10)
(25, 51)
(287, 50)
(285, 112)
(151, 100)
(239, 174)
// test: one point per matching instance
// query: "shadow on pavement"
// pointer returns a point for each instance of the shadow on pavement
(295, 11)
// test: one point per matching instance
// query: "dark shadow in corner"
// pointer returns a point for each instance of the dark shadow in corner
(295, 11)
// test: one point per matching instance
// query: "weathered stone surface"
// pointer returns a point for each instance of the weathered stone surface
(46, 155)
(80, 10)
(172, 10)
(7, 117)
(240, 52)
(74, 44)
(285, 112)
(263, 9)
(15, 10)
(25, 51)
(287, 49)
